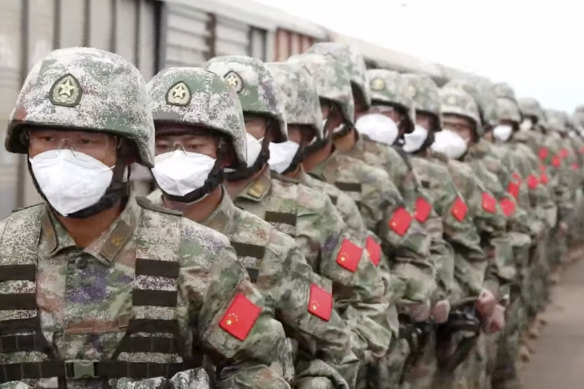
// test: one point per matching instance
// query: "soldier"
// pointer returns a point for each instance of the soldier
(403, 239)
(305, 214)
(200, 134)
(98, 288)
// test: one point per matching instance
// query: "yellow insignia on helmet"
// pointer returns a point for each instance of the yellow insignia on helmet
(234, 80)
(66, 91)
(412, 91)
(377, 84)
(452, 100)
(178, 94)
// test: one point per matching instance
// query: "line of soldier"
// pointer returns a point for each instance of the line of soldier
(315, 225)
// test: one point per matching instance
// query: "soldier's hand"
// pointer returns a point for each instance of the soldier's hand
(440, 311)
(495, 322)
(486, 303)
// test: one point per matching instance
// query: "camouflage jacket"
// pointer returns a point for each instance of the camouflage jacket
(90, 298)
(459, 230)
(280, 272)
(397, 165)
(404, 241)
(322, 236)
(491, 224)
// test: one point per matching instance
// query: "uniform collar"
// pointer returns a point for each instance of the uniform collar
(257, 188)
(105, 248)
(319, 170)
(222, 217)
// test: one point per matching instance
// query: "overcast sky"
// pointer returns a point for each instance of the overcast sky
(537, 46)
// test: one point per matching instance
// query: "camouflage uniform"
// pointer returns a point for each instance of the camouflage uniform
(152, 295)
(403, 239)
(311, 218)
(271, 258)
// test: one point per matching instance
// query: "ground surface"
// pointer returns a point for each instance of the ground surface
(558, 361)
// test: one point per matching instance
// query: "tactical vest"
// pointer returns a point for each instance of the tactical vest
(146, 332)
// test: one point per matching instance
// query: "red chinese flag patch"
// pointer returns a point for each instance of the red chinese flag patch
(543, 153)
(556, 161)
(374, 250)
(423, 209)
(459, 209)
(240, 317)
(400, 221)
(320, 303)
(564, 153)
(508, 207)
(513, 189)
(575, 166)
(544, 178)
(516, 177)
(349, 255)
(489, 203)
(532, 181)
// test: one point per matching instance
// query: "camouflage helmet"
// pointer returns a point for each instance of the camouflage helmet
(197, 97)
(556, 120)
(531, 107)
(299, 95)
(352, 60)
(389, 87)
(507, 109)
(484, 98)
(255, 87)
(89, 90)
(332, 81)
(578, 118)
(457, 102)
(502, 89)
(426, 95)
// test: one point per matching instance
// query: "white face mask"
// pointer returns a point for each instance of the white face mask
(254, 147)
(282, 154)
(502, 132)
(378, 127)
(415, 140)
(179, 173)
(449, 143)
(71, 181)
(526, 125)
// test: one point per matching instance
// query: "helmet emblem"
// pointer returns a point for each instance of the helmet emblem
(66, 91)
(234, 81)
(179, 94)
(377, 84)
(412, 91)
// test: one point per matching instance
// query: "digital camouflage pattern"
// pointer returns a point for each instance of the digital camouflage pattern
(320, 232)
(426, 96)
(283, 276)
(255, 87)
(85, 295)
(197, 97)
(332, 81)
(486, 101)
(86, 89)
(503, 90)
(530, 107)
(470, 260)
(379, 200)
(299, 95)
(508, 109)
(457, 102)
(352, 60)
(391, 88)
(556, 120)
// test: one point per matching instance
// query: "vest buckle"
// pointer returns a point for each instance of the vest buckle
(79, 369)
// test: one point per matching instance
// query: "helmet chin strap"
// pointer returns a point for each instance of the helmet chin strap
(260, 162)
